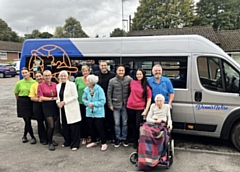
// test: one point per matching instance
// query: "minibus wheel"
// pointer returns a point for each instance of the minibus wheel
(235, 136)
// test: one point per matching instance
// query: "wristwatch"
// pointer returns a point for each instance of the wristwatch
(52, 98)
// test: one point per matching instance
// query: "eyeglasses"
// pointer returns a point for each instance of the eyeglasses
(47, 75)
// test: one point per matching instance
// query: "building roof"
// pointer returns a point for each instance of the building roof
(205, 31)
(10, 46)
(230, 40)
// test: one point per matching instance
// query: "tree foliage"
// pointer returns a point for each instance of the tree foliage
(46, 35)
(155, 14)
(59, 32)
(117, 32)
(6, 33)
(221, 14)
(37, 34)
(71, 29)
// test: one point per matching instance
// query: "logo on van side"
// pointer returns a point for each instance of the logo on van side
(43, 59)
(211, 107)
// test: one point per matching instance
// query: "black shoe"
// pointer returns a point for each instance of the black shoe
(117, 143)
(54, 143)
(24, 139)
(51, 147)
(44, 142)
(33, 141)
(125, 143)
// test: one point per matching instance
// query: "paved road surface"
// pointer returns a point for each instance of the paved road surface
(16, 156)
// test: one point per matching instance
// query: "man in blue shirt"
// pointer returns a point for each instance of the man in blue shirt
(161, 85)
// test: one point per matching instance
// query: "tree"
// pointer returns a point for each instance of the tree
(37, 34)
(155, 14)
(6, 33)
(46, 35)
(14, 37)
(59, 32)
(117, 32)
(73, 29)
(222, 15)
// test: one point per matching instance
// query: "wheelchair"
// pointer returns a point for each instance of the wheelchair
(165, 160)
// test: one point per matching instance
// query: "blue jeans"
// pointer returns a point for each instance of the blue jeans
(118, 114)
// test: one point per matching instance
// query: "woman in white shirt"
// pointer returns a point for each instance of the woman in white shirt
(160, 112)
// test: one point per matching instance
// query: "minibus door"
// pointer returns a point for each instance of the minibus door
(214, 94)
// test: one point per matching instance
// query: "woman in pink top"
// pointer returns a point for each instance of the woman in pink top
(47, 93)
(138, 103)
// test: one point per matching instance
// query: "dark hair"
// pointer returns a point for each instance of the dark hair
(39, 72)
(144, 83)
(24, 68)
(119, 67)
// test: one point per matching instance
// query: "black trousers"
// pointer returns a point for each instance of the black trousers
(84, 122)
(71, 132)
(97, 127)
(41, 122)
(135, 119)
(109, 123)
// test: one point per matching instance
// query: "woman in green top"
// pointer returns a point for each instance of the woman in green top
(81, 84)
(24, 103)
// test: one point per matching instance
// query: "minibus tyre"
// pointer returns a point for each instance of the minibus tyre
(235, 136)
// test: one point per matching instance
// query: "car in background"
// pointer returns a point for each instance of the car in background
(7, 70)
(16, 65)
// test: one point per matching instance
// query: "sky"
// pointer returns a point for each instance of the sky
(97, 17)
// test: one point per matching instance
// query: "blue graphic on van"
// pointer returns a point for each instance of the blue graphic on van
(211, 107)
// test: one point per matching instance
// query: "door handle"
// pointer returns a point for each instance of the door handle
(198, 96)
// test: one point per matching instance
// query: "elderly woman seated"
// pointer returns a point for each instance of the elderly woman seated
(160, 112)
(154, 135)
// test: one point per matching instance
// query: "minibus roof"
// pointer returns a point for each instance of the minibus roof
(125, 46)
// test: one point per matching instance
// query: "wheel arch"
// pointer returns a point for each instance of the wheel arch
(231, 120)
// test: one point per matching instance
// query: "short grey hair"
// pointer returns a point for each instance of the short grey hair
(157, 65)
(159, 96)
(92, 79)
(62, 72)
(47, 71)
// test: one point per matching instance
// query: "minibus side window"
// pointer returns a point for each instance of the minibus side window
(218, 75)
(231, 78)
(210, 73)
(174, 67)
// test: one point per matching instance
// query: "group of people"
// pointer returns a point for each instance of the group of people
(102, 105)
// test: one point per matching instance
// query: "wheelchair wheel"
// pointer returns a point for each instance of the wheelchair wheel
(170, 153)
(172, 147)
(133, 157)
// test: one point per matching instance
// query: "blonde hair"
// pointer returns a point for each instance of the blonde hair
(85, 67)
